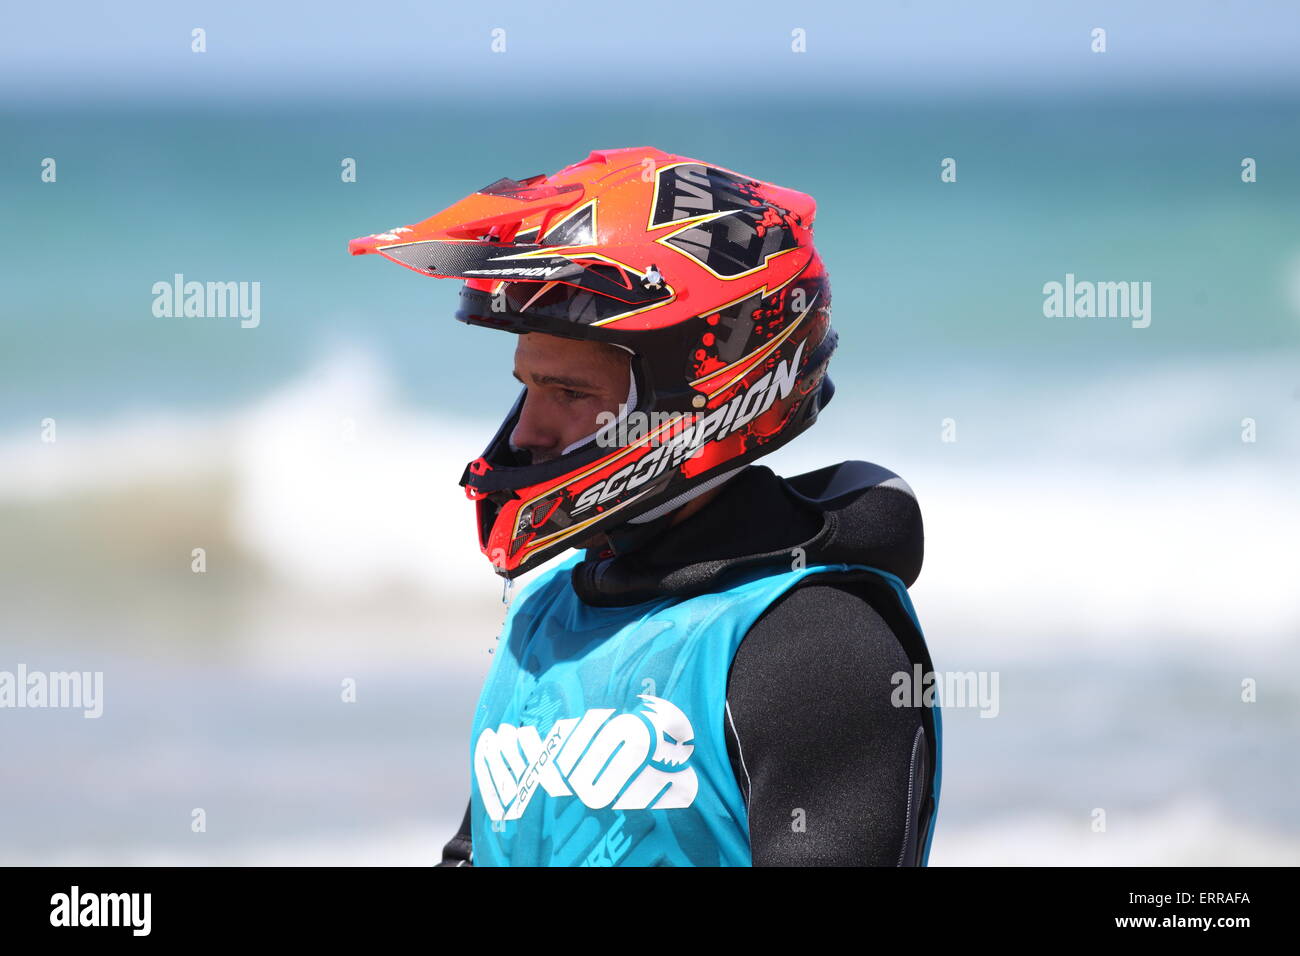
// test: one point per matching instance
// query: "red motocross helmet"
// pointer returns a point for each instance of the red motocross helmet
(707, 277)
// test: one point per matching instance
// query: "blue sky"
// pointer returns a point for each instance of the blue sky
(561, 52)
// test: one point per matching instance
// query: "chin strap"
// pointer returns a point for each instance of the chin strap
(672, 504)
(629, 537)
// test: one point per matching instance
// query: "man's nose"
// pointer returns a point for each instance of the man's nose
(535, 432)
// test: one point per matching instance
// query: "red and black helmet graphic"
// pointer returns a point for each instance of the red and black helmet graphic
(710, 280)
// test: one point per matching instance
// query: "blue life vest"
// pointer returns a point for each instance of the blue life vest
(599, 737)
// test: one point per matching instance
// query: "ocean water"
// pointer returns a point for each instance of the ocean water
(928, 277)
(1099, 534)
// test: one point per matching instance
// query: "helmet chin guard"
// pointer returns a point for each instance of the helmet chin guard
(708, 278)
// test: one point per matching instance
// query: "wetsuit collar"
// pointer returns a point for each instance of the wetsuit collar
(851, 512)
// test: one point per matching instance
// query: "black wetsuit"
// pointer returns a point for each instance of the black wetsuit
(833, 774)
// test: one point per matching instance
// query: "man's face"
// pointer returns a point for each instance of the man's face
(570, 382)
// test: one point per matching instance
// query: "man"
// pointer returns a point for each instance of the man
(727, 674)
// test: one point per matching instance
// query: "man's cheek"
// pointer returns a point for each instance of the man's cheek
(591, 416)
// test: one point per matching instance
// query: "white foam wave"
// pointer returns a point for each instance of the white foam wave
(340, 490)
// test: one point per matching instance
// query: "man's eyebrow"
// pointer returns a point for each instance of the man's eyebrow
(564, 381)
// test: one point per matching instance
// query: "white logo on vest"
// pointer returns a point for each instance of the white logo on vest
(511, 763)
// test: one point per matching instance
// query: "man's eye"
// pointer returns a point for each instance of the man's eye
(572, 396)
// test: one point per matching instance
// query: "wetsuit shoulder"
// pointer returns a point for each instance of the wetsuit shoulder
(831, 771)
